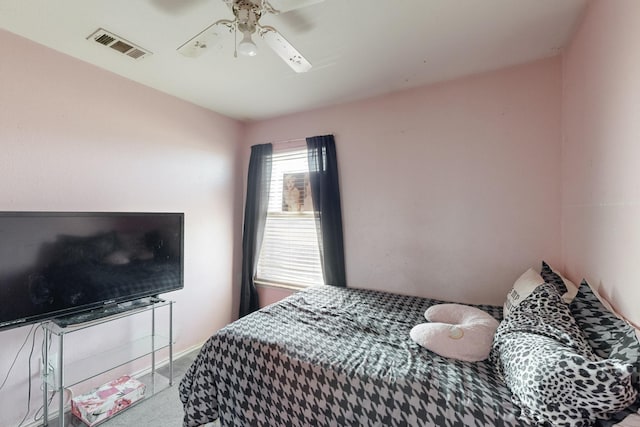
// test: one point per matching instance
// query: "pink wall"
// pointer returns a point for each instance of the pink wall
(75, 137)
(601, 150)
(449, 191)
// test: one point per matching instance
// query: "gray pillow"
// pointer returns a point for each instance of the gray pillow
(609, 336)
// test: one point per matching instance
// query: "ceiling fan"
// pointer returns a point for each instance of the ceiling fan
(247, 14)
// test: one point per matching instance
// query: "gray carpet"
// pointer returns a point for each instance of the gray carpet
(161, 409)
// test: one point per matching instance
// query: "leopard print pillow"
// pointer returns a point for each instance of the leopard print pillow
(553, 278)
(550, 368)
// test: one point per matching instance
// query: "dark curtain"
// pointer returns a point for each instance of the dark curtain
(255, 217)
(325, 191)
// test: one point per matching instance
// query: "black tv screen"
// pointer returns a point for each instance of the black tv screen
(58, 263)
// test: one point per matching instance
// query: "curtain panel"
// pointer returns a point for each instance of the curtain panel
(255, 217)
(325, 191)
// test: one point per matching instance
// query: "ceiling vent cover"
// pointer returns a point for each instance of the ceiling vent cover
(118, 44)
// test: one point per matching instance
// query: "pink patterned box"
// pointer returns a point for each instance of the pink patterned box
(94, 407)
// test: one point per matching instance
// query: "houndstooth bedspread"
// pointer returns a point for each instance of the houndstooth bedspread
(331, 356)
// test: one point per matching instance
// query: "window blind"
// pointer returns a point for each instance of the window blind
(290, 253)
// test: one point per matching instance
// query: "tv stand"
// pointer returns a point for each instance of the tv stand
(105, 311)
(58, 374)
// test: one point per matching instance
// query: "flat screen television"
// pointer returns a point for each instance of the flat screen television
(55, 264)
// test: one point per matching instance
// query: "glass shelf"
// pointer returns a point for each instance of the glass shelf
(84, 369)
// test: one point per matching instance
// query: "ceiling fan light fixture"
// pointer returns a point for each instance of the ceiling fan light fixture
(247, 14)
(246, 46)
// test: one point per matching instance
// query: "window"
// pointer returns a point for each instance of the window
(290, 254)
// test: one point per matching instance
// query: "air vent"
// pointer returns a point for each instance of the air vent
(118, 44)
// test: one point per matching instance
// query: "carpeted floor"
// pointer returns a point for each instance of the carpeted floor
(162, 409)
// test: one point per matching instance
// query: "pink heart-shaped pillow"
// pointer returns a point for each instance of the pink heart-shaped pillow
(456, 331)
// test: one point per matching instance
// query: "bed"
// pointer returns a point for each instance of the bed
(330, 356)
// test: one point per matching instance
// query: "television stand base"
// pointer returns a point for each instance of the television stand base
(101, 358)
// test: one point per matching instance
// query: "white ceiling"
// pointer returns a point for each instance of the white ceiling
(358, 48)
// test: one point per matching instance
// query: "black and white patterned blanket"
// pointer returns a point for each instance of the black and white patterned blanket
(331, 356)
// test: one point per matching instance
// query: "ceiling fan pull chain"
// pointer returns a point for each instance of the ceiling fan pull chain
(235, 40)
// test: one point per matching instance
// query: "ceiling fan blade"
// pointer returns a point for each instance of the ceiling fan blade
(281, 6)
(206, 39)
(284, 49)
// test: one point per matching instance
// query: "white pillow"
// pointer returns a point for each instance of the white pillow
(522, 288)
(456, 331)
